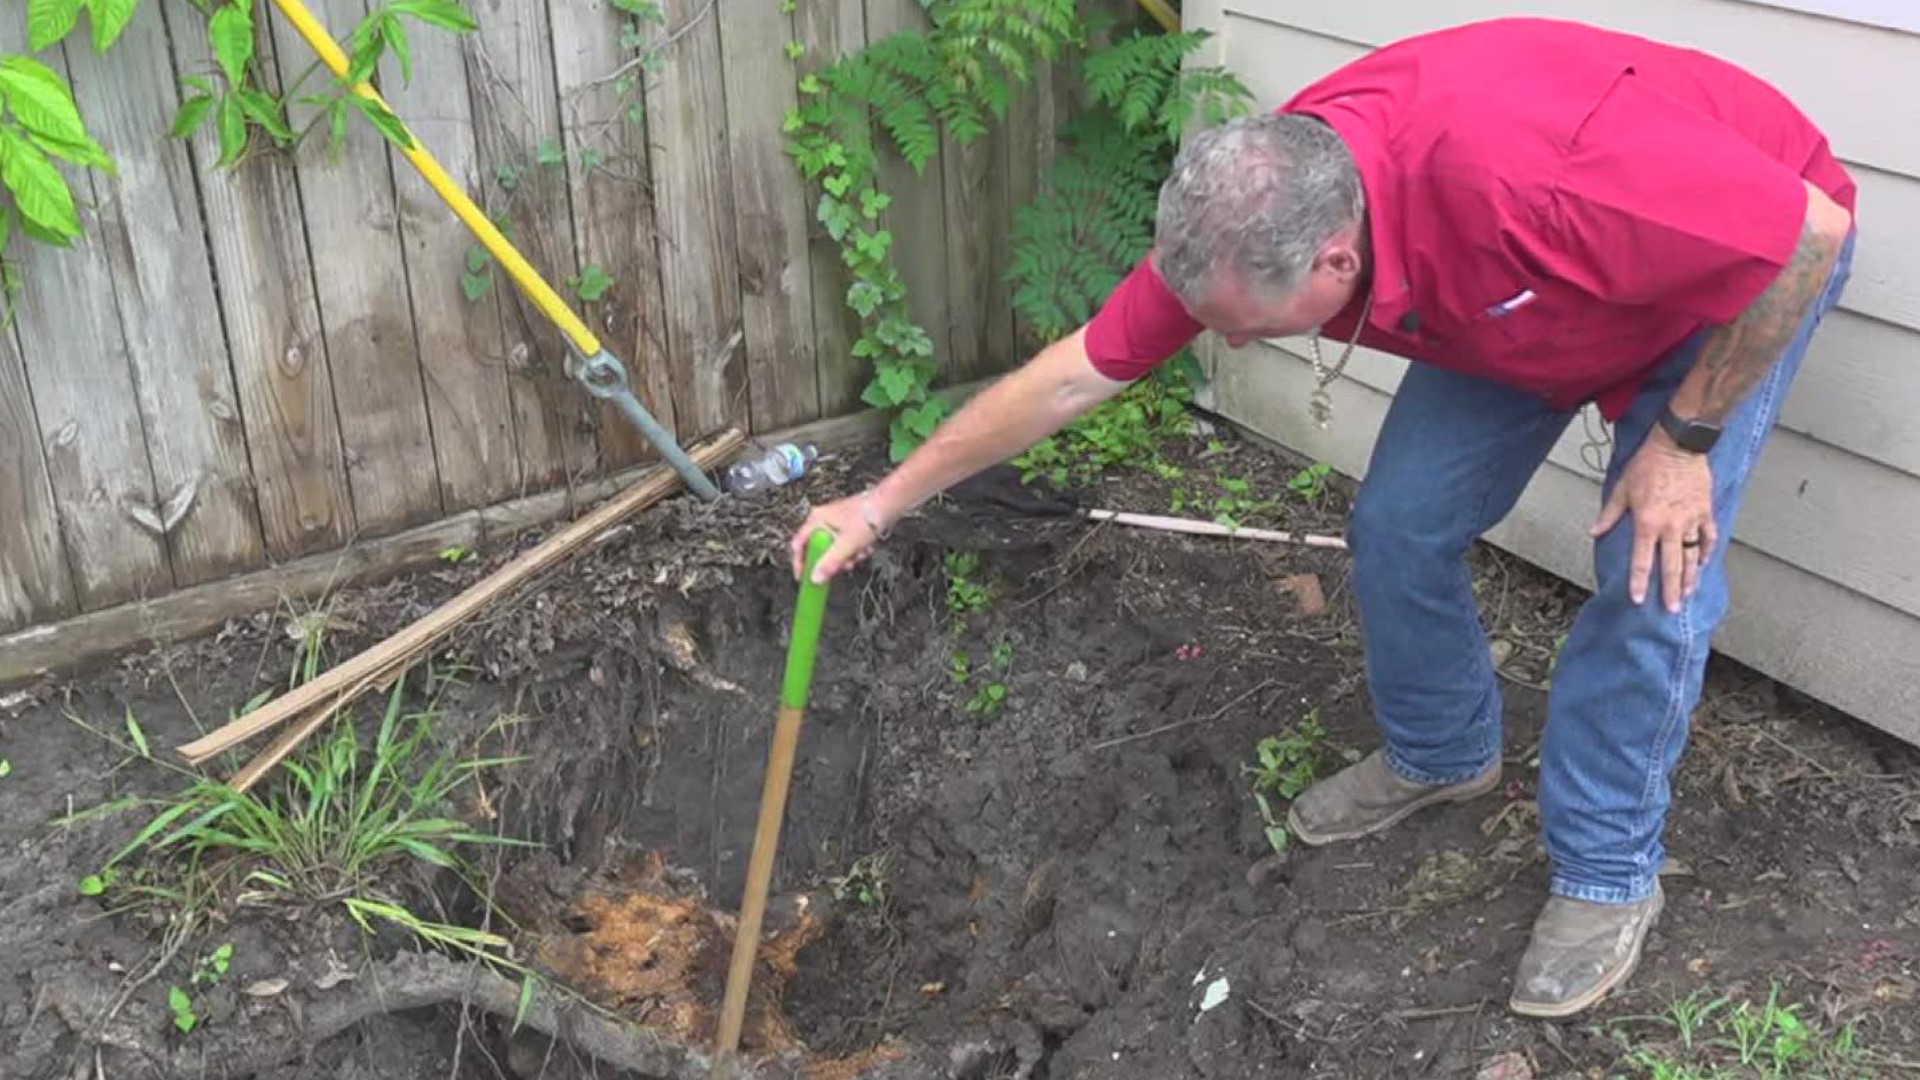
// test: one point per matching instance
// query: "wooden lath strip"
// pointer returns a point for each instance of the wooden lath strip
(325, 695)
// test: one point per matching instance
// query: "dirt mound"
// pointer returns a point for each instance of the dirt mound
(1022, 839)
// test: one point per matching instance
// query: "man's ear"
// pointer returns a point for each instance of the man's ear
(1340, 259)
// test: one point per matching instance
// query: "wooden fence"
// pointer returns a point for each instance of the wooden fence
(239, 366)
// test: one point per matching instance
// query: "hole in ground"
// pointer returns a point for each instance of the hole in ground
(954, 866)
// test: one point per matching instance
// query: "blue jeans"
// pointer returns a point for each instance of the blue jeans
(1454, 455)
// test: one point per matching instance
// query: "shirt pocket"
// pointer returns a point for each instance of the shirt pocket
(1530, 319)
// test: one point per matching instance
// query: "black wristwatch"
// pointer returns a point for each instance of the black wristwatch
(1694, 436)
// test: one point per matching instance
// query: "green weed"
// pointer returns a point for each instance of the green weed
(1719, 1039)
(965, 592)
(1285, 765)
(1133, 430)
(339, 815)
(1310, 483)
(180, 1003)
(991, 697)
(864, 884)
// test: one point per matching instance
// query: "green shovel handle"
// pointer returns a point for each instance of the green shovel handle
(808, 613)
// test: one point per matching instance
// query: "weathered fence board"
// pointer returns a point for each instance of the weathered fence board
(977, 223)
(516, 112)
(776, 285)
(273, 325)
(76, 363)
(34, 582)
(366, 317)
(148, 223)
(242, 365)
(700, 268)
(606, 144)
(828, 30)
(917, 217)
(463, 358)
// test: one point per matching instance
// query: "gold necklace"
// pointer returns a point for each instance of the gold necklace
(1320, 404)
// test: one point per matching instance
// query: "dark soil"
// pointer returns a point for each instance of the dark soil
(1076, 884)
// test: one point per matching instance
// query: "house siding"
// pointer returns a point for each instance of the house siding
(1825, 562)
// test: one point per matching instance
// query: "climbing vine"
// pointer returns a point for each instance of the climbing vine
(41, 123)
(1071, 247)
(955, 76)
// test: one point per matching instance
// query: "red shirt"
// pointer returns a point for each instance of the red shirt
(1551, 205)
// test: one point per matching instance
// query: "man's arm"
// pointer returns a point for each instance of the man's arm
(1737, 355)
(1668, 491)
(1035, 400)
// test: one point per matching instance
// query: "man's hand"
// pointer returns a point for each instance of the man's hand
(1035, 400)
(856, 525)
(1669, 492)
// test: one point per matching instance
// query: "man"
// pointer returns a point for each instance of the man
(1539, 214)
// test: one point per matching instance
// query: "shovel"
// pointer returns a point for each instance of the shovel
(801, 649)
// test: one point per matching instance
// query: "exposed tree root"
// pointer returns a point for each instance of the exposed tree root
(282, 1033)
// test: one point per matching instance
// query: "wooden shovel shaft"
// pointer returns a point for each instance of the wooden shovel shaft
(802, 648)
(766, 842)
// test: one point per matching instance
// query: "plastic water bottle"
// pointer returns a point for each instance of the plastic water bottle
(781, 465)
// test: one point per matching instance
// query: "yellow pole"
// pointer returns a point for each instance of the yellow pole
(1162, 14)
(522, 272)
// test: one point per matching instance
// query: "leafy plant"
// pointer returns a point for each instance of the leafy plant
(1310, 483)
(180, 1003)
(48, 21)
(992, 695)
(591, 283)
(1285, 765)
(989, 699)
(965, 594)
(213, 966)
(1236, 502)
(911, 86)
(864, 883)
(1093, 222)
(1133, 429)
(41, 125)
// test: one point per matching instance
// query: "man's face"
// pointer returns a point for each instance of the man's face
(1242, 313)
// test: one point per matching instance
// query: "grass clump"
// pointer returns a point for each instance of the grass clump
(327, 829)
(1700, 1038)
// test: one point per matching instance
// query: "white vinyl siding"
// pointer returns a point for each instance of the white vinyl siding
(1826, 560)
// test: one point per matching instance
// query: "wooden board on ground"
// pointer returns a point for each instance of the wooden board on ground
(771, 215)
(613, 213)
(917, 216)
(82, 391)
(148, 223)
(516, 113)
(34, 582)
(272, 321)
(366, 317)
(695, 213)
(463, 357)
(828, 30)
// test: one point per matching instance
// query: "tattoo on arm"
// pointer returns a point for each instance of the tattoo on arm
(1738, 355)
